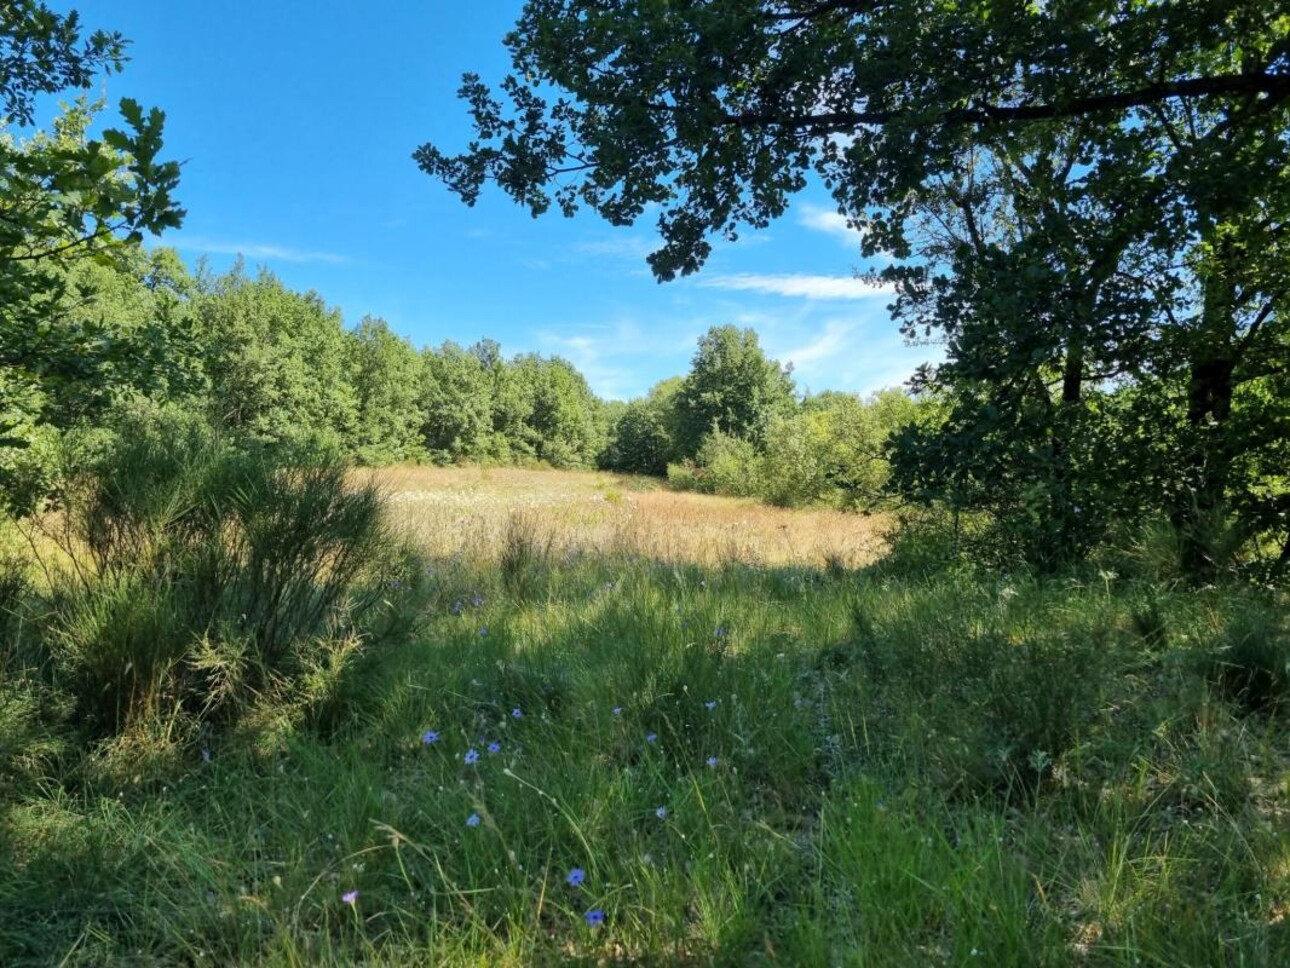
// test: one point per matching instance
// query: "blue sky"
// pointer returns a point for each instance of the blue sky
(296, 121)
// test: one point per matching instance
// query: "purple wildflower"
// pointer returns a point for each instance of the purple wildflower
(576, 877)
(712, 762)
(350, 897)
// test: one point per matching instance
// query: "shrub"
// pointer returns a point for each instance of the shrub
(724, 465)
(217, 578)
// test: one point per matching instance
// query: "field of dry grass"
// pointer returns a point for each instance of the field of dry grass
(470, 511)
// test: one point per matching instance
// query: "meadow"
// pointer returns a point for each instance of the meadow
(601, 723)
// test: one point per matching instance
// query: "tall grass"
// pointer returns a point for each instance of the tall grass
(747, 764)
(200, 584)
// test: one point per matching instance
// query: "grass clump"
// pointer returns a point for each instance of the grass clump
(201, 586)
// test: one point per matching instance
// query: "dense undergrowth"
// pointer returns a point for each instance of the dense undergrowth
(241, 723)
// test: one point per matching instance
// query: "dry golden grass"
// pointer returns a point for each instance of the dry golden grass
(470, 511)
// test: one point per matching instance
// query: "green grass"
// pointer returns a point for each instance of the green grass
(957, 770)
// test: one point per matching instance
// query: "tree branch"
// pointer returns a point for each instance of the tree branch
(1275, 86)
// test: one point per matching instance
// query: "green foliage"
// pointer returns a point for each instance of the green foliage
(731, 388)
(1095, 230)
(550, 414)
(276, 360)
(1250, 659)
(386, 374)
(831, 451)
(643, 435)
(67, 199)
(216, 579)
(728, 465)
(456, 404)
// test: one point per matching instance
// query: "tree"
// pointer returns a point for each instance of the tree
(63, 195)
(276, 360)
(66, 198)
(385, 371)
(733, 388)
(546, 412)
(456, 405)
(1158, 261)
(643, 437)
(716, 112)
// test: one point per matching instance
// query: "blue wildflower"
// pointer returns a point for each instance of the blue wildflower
(456, 607)
(477, 599)
(576, 877)
(594, 917)
(711, 704)
(472, 820)
(617, 710)
(517, 713)
(494, 747)
(429, 737)
(712, 762)
(661, 813)
(472, 756)
(651, 737)
(349, 897)
(483, 631)
(720, 632)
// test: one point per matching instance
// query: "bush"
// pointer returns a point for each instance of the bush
(217, 579)
(724, 465)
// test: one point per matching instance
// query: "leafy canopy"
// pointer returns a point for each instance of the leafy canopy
(717, 112)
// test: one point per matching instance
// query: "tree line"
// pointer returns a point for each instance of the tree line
(277, 368)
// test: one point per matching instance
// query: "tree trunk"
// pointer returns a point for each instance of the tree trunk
(1209, 406)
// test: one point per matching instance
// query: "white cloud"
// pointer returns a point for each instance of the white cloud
(820, 219)
(258, 251)
(851, 345)
(800, 286)
(824, 345)
(817, 218)
(622, 246)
